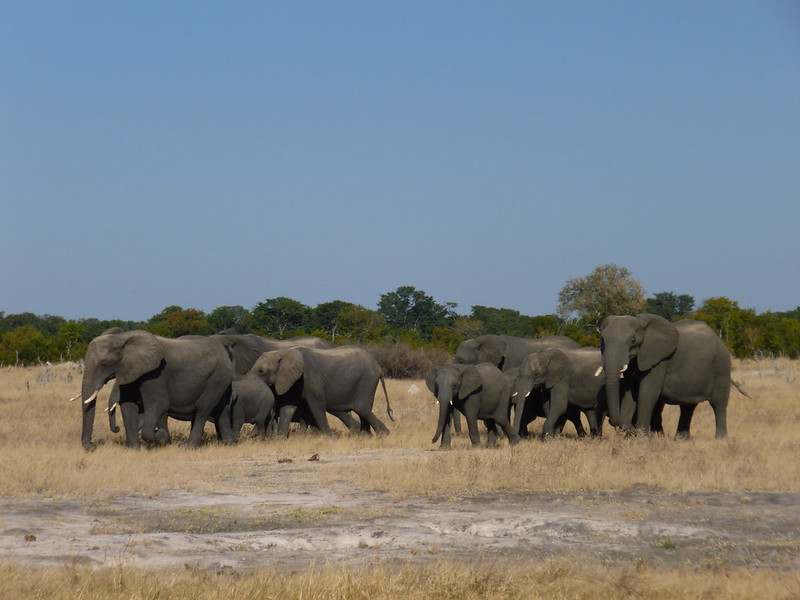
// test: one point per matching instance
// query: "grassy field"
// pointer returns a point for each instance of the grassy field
(42, 458)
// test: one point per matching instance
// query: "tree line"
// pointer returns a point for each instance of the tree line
(410, 318)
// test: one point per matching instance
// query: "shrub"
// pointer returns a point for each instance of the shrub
(401, 361)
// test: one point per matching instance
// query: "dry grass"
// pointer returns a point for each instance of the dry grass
(42, 455)
(555, 579)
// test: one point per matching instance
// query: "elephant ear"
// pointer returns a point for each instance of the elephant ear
(430, 380)
(290, 369)
(660, 341)
(141, 353)
(242, 352)
(558, 367)
(493, 351)
(471, 381)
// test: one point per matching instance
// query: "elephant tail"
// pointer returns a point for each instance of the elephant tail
(738, 387)
(389, 410)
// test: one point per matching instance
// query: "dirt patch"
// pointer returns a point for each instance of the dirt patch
(308, 520)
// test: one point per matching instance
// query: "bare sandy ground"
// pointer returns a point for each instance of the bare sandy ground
(311, 523)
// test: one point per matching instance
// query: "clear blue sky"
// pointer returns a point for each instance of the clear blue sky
(220, 153)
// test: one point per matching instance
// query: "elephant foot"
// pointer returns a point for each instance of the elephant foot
(89, 446)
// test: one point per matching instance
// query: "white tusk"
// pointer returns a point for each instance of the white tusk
(451, 403)
(625, 368)
(74, 398)
(599, 370)
(514, 394)
(91, 398)
(528, 394)
(113, 407)
(437, 402)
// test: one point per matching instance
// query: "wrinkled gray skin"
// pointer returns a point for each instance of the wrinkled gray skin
(478, 392)
(537, 404)
(681, 363)
(244, 349)
(570, 379)
(186, 378)
(336, 381)
(506, 351)
(252, 402)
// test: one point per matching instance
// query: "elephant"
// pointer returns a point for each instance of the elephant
(186, 378)
(506, 351)
(568, 379)
(538, 405)
(478, 392)
(244, 349)
(252, 402)
(681, 363)
(334, 380)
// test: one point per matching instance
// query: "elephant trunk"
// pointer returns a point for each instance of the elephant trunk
(519, 407)
(93, 382)
(613, 366)
(444, 411)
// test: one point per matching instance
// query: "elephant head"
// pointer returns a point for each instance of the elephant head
(243, 350)
(124, 356)
(451, 383)
(638, 343)
(486, 348)
(280, 369)
(542, 369)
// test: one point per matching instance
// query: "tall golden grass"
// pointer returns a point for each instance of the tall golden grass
(445, 580)
(42, 455)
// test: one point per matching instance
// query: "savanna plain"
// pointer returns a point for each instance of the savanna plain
(386, 517)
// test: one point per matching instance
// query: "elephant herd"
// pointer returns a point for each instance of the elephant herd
(643, 363)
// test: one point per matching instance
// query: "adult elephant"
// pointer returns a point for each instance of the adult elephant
(506, 351)
(681, 363)
(335, 380)
(244, 349)
(186, 378)
(478, 392)
(567, 379)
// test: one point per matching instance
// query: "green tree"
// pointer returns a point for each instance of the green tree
(608, 290)
(24, 344)
(360, 324)
(325, 317)
(736, 327)
(229, 317)
(503, 321)
(669, 305)
(279, 316)
(409, 308)
(69, 343)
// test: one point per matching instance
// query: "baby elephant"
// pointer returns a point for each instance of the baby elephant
(570, 379)
(252, 402)
(478, 392)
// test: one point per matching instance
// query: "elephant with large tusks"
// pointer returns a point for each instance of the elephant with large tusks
(335, 380)
(479, 392)
(681, 363)
(186, 378)
(506, 351)
(567, 379)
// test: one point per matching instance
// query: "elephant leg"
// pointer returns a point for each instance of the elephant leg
(508, 429)
(472, 427)
(595, 428)
(237, 422)
(196, 432)
(457, 422)
(320, 416)
(447, 430)
(685, 421)
(491, 433)
(649, 392)
(285, 415)
(130, 419)
(375, 422)
(345, 417)
(150, 433)
(719, 403)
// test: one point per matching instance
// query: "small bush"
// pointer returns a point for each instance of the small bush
(401, 361)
